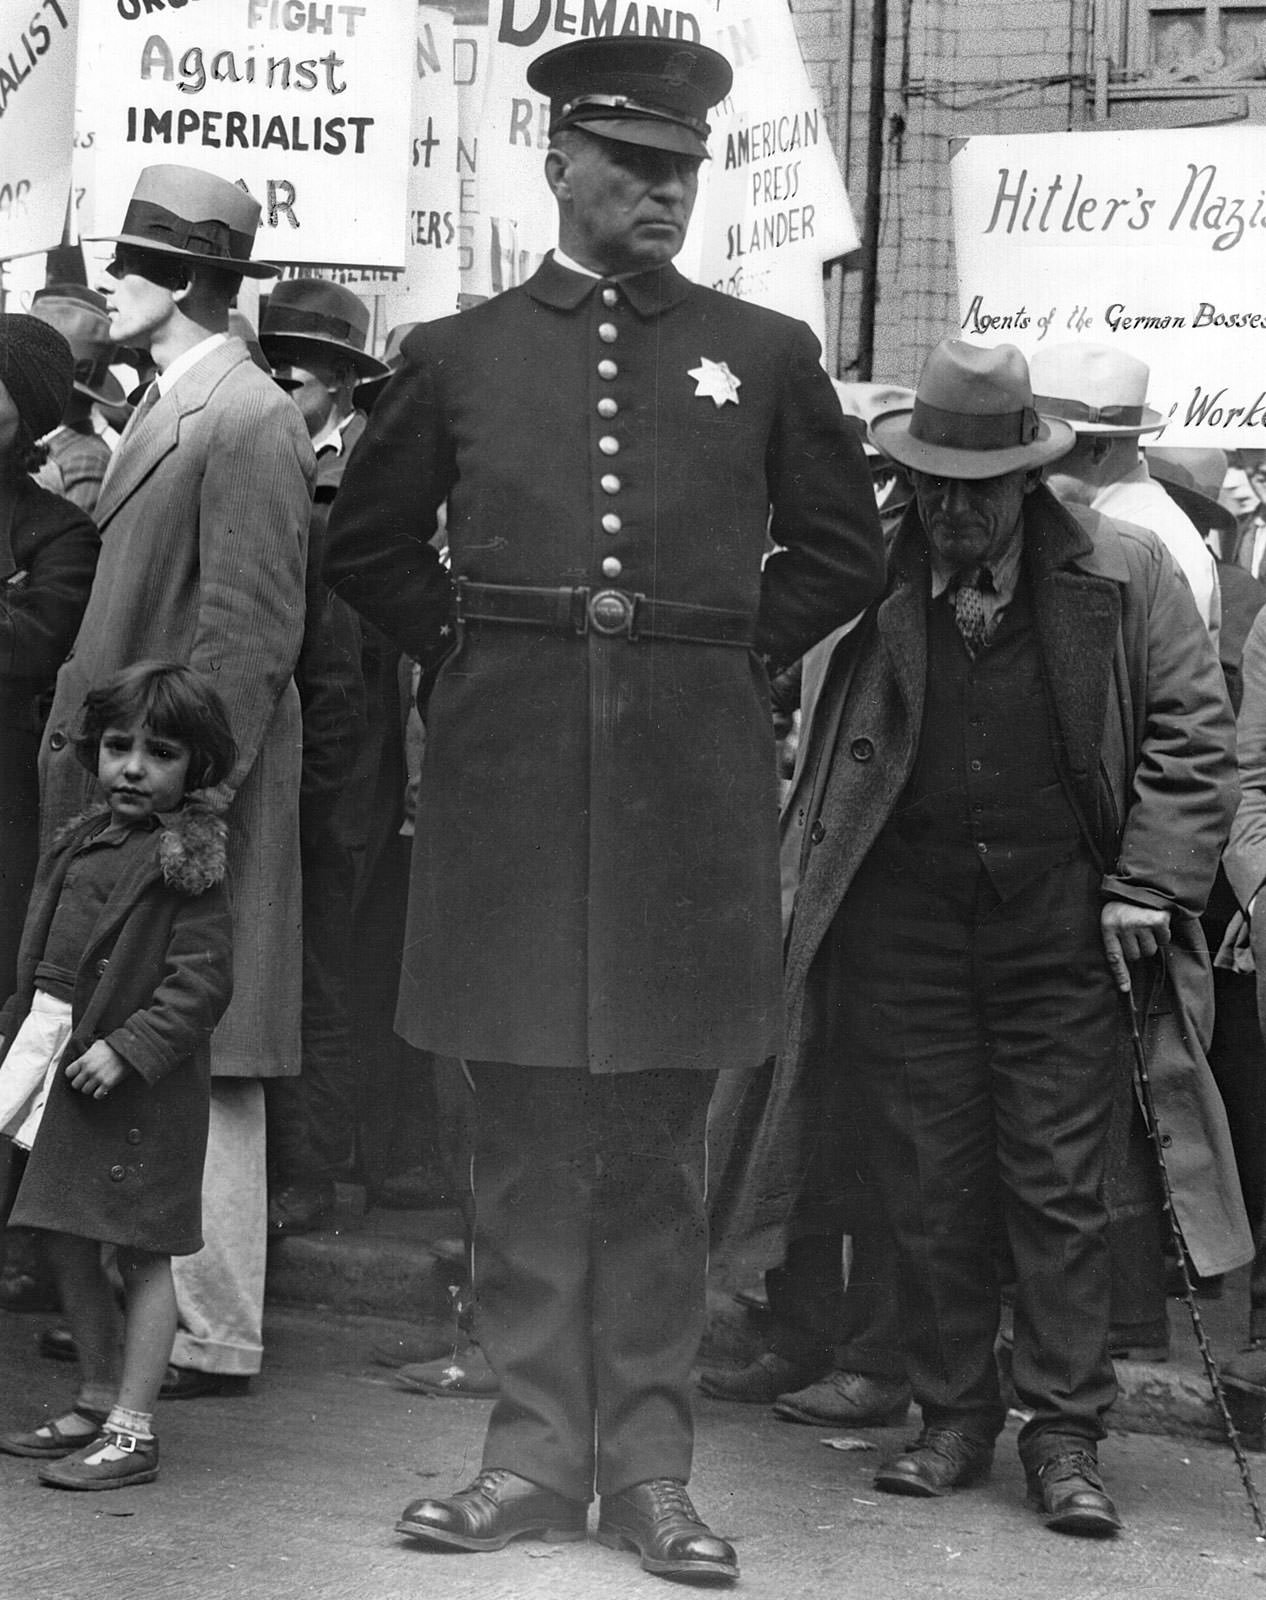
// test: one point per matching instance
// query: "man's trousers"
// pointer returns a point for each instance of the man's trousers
(590, 1267)
(984, 1042)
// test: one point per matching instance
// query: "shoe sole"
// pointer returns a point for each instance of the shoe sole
(130, 1481)
(719, 1571)
(1088, 1524)
(441, 1392)
(916, 1488)
(866, 1419)
(459, 1541)
(45, 1455)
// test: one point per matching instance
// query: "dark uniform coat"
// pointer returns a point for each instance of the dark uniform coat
(153, 980)
(595, 879)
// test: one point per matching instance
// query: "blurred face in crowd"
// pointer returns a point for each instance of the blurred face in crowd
(9, 422)
(622, 207)
(313, 384)
(970, 520)
(1238, 495)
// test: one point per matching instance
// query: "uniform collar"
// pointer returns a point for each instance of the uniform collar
(649, 293)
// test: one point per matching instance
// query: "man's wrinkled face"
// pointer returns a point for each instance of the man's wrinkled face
(625, 207)
(970, 520)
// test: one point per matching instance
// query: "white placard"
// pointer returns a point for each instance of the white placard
(37, 120)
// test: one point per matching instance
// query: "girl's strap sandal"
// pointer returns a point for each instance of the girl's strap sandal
(47, 1442)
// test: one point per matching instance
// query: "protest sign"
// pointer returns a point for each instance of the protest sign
(37, 104)
(306, 102)
(1154, 240)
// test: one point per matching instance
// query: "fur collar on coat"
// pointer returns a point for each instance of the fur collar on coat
(192, 845)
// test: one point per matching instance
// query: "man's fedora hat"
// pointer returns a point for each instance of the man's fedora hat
(655, 92)
(1096, 387)
(79, 314)
(1193, 479)
(972, 416)
(314, 316)
(193, 215)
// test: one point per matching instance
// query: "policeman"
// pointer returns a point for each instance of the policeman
(594, 915)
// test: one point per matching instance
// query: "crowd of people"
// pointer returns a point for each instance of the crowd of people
(435, 696)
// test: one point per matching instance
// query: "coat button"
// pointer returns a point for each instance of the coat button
(610, 483)
(861, 749)
(608, 332)
(133, 1136)
(610, 297)
(607, 407)
(817, 833)
(117, 1174)
(607, 369)
(611, 523)
(57, 740)
(609, 445)
(101, 965)
(612, 568)
(1167, 1139)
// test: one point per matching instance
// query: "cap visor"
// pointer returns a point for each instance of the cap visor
(643, 131)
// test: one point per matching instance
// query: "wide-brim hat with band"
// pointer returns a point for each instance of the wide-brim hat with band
(1096, 387)
(313, 315)
(193, 215)
(654, 92)
(1193, 477)
(972, 416)
(79, 314)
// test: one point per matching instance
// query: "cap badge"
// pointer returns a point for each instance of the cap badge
(715, 381)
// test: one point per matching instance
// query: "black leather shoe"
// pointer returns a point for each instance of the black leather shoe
(300, 1207)
(658, 1521)
(1066, 1488)
(497, 1507)
(58, 1343)
(188, 1383)
(847, 1400)
(939, 1460)
(28, 1291)
(761, 1381)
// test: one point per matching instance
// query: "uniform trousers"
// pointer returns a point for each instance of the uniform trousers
(220, 1291)
(985, 1039)
(590, 1268)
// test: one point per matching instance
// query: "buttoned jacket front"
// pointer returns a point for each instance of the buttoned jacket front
(595, 873)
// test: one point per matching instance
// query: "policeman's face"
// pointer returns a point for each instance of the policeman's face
(970, 520)
(622, 207)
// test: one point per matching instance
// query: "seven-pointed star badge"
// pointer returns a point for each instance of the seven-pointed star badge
(715, 380)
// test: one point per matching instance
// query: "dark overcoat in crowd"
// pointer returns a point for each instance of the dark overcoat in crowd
(595, 880)
(152, 981)
(1146, 737)
(48, 552)
(204, 525)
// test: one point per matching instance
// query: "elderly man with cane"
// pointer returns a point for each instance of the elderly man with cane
(1024, 777)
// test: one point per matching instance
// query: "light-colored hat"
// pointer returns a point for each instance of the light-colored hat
(972, 416)
(1096, 387)
(312, 314)
(79, 314)
(1193, 478)
(193, 216)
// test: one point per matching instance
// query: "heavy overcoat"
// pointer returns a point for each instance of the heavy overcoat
(1146, 740)
(153, 980)
(48, 552)
(204, 529)
(595, 865)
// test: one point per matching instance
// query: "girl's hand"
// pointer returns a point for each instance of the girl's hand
(97, 1071)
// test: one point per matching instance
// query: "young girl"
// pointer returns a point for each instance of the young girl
(123, 973)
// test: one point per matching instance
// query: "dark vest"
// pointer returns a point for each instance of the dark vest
(985, 791)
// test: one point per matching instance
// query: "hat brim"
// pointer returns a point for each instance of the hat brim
(110, 392)
(890, 431)
(280, 346)
(651, 135)
(1209, 516)
(248, 268)
(1152, 422)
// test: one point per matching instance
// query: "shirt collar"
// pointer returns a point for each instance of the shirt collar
(1004, 568)
(574, 266)
(189, 359)
(330, 438)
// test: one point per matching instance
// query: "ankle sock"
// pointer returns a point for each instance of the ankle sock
(137, 1423)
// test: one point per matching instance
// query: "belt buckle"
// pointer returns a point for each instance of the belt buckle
(611, 612)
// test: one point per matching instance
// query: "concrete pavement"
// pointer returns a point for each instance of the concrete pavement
(292, 1491)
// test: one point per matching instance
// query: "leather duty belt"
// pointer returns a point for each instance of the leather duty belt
(612, 613)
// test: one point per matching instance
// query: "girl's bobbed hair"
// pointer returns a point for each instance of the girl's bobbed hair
(174, 701)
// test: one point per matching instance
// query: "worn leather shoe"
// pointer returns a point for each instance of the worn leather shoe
(301, 1207)
(57, 1343)
(761, 1381)
(939, 1460)
(847, 1399)
(455, 1377)
(188, 1383)
(47, 1442)
(84, 1471)
(497, 1507)
(1065, 1487)
(658, 1520)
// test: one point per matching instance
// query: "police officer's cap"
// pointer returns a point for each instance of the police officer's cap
(654, 92)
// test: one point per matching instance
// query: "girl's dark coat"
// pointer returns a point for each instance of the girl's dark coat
(153, 981)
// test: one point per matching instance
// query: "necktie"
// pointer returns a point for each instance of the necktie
(969, 607)
(149, 400)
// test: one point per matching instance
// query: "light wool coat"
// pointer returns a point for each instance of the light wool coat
(204, 529)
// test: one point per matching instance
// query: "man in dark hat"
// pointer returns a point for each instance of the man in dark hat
(204, 519)
(594, 924)
(77, 451)
(1005, 751)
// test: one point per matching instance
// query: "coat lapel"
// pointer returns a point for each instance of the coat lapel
(158, 431)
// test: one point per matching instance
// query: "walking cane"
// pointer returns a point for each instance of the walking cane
(1188, 1289)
